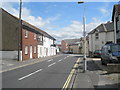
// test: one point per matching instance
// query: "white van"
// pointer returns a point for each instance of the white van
(110, 53)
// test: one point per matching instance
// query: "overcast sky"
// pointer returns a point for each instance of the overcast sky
(63, 20)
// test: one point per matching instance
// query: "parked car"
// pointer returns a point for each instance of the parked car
(97, 53)
(110, 53)
(68, 52)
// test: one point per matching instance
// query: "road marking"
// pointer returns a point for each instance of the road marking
(64, 57)
(50, 60)
(20, 66)
(60, 60)
(65, 86)
(51, 64)
(29, 74)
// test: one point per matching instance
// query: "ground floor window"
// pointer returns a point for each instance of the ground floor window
(26, 49)
(35, 49)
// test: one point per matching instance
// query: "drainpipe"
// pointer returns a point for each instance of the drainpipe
(115, 28)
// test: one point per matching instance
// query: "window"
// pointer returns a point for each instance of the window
(26, 49)
(96, 36)
(35, 49)
(34, 36)
(40, 37)
(26, 34)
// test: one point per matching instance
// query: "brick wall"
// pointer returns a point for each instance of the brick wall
(64, 46)
(29, 41)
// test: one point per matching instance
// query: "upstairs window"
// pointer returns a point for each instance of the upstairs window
(96, 35)
(26, 34)
(40, 37)
(34, 36)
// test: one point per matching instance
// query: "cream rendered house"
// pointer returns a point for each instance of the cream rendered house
(101, 35)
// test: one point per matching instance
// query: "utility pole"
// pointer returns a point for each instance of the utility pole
(19, 31)
(84, 40)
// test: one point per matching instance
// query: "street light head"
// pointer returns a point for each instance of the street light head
(80, 2)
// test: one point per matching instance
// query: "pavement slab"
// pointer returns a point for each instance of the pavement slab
(93, 78)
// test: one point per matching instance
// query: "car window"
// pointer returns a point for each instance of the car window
(115, 48)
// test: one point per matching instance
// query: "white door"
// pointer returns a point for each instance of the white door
(31, 52)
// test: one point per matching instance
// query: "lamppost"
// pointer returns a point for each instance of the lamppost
(84, 35)
(19, 31)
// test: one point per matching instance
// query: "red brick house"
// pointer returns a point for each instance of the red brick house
(29, 44)
(64, 46)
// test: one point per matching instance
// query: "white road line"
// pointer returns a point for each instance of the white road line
(50, 60)
(65, 57)
(30, 74)
(51, 64)
(59, 60)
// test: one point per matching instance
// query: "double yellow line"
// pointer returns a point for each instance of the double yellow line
(65, 86)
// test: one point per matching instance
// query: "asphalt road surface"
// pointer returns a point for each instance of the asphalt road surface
(51, 73)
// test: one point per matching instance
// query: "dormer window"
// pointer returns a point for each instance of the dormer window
(26, 34)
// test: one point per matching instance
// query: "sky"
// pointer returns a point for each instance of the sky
(63, 20)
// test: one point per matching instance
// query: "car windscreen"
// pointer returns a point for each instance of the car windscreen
(97, 51)
(115, 48)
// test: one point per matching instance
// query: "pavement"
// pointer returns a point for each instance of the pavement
(7, 65)
(95, 77)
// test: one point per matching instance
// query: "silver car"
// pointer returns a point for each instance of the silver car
(110, 53)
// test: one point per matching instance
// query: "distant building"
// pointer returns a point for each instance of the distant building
(34, 42)
(71, 45)
(101, 35)
(116, 21)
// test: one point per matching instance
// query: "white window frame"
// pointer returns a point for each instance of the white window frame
(40, 37)
(26, 49)
(35, 36)
(26, 34)
(35, 49)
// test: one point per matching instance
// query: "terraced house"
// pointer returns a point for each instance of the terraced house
(34, 42)
(116, 20)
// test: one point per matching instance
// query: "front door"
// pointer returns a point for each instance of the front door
(30, 51)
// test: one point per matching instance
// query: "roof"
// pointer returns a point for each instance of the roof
(30, 26)
(107, 27)
(116, 8)
(72, 41)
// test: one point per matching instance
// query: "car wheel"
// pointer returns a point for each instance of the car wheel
(103, 62)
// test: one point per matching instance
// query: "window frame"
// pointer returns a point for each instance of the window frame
(26, 50)
(35, 36)
(26, 34)
(35, 49)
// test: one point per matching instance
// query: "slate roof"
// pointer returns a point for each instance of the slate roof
(107, 27)
(72, 41)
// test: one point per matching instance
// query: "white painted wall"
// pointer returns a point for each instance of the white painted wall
(48, 50)
(96, 44)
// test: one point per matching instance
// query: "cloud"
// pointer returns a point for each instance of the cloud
(104, 11)
(74, 30)
(38, 21)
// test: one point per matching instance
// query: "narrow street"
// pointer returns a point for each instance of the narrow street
(47, 74)
(53, 73)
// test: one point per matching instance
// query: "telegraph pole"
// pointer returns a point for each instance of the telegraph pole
(19, 31)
